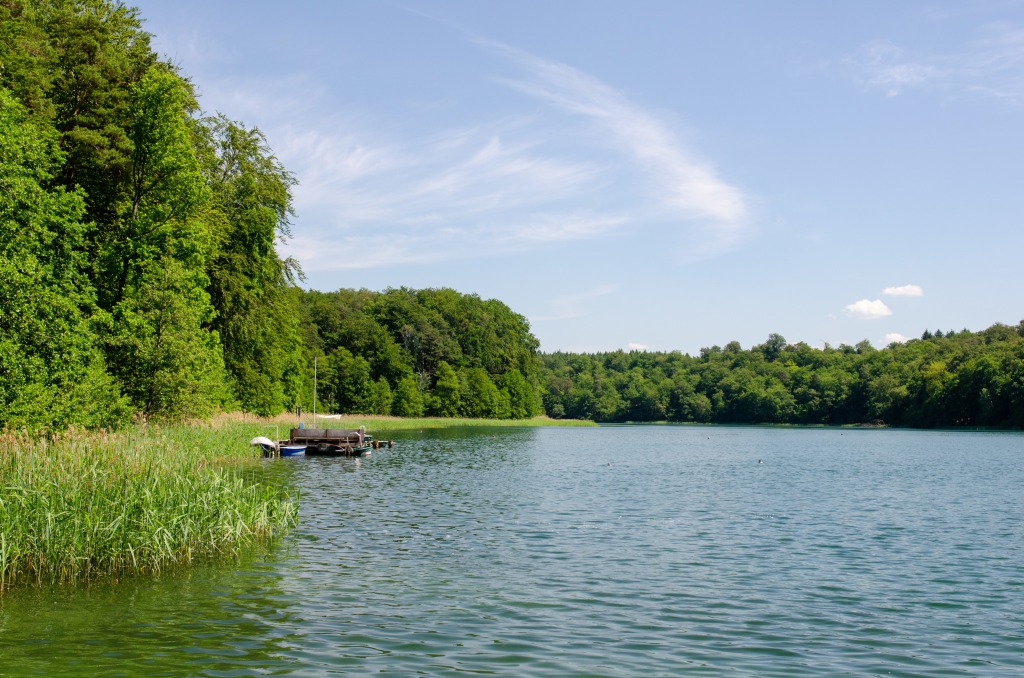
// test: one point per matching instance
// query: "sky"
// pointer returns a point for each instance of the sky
(657, 175)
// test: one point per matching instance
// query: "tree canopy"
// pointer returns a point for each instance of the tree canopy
(942, 380)
(433, 351)
(140, 276)
(139, 272)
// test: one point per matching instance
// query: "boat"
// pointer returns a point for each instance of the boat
(268, 445)
(286, 449)
(347, 450)
(323, 442)
(331, 442)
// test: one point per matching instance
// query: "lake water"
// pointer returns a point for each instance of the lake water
(618, 551)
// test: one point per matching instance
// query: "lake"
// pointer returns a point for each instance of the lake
(612, 551)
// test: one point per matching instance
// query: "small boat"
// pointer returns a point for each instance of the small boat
(267, 444)
(332, 442)
(323, 442)
(328, 450)
(286, 449)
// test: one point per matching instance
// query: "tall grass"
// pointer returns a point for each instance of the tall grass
(84, 505)
(377, 422)
(382, 423)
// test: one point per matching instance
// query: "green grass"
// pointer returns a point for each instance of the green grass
(374, 422)
(87, 505)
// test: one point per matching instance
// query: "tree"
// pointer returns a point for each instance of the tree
(50, 371)
(408, 401)
(166, 362)
(480, 397)
(522, 398)
(446, 396)
(773, 347)
(256, 318)
(381, 398)
(351, 388)
(156, 208)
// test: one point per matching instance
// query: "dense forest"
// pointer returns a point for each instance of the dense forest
(138, 269)
(942, 379)
(139, 275)
(140, 278)
(410, 353)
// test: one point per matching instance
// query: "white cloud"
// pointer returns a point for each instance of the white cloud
(500, 183)
(548, 228)
(637, 347)
(895, 338)
(991, 65)
(866, 309)
(904, 291)
(455, 176)
(575, 305)
(687, 188)
(882, 65)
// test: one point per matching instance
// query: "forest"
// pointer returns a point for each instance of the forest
(940, 380)
(139, 271)
(140, 279)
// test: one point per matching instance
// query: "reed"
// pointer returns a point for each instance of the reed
(82, 505)
(377, 422)
(382, 423)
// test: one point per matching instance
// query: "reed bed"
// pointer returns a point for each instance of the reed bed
(377, 422)
(80, 505)
(382, 423)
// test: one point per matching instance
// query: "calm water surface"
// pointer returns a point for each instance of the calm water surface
(621, 551)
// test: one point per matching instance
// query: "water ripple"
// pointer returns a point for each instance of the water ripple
(624, 551)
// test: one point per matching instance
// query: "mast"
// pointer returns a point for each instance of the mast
(314, 391)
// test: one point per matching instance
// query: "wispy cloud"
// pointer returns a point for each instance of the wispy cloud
(865, 309)
(885, 66)
(637, 347)
(904, 291)
(991, 65)
(576, 305)
(895, 338)
(451, 178)
(512, 178)
(688, 188)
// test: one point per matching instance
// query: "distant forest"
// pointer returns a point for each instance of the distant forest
(940, 380)
(139, 279)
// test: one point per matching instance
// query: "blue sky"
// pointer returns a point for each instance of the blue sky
(658, 175)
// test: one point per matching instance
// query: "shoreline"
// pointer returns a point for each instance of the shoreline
(81, 506)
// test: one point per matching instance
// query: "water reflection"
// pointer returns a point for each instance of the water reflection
(208, 619)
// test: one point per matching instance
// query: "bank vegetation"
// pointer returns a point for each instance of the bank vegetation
(86, 505)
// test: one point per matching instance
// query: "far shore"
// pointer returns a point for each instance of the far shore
(377, 422)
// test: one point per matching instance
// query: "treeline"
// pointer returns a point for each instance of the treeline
(137, 265)
(428, 352)
(139, 278)
(941, 380)
(138, 270)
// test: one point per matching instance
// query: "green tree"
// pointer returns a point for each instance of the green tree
(381, 398)
(523, 400)
(446, 396)
(166, 362)
(256, 317)
(480, 397)
(408, 401)
(351, 388)
(155, 212)
(50, 372)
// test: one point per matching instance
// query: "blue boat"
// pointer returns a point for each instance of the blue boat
(329, 442)
(332, 442)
